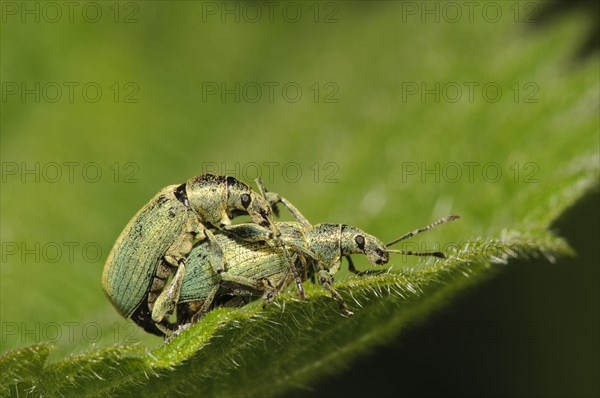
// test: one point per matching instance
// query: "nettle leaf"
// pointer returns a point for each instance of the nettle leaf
(256, 351)
(20, 369)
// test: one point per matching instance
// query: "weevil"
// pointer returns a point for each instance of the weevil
(258, 268)
(158, 239)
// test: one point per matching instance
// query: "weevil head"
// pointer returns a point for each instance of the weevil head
(242, 198)
(355, 241)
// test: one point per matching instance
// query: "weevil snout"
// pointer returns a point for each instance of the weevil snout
(376, 252)
(381, 257)
(265, 219)
(260, 211)
(242, 198)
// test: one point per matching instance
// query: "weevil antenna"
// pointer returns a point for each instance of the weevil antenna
(418, 231)
(420, 254)
(263, 191)
(261, 187)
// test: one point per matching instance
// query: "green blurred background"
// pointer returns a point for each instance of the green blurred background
(104, 103)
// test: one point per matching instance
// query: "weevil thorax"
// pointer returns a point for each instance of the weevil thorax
(207, 197)
(356, 241)
(241, 197)
(324, 241)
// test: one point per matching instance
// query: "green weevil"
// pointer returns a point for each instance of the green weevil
(259, 268)
(158, 239)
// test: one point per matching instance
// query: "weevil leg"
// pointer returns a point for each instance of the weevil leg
(286, 278)
(303, 221)
(185, 311)
(167, 329)
(179, 250)
(235, 281)
(208, 301)
(351, 266)
(161, 275)
(274, 198)
(194, 231)
(183, 244)
(271, 291)
(176, 254)
(167, 300)
(172, 333)
(326, 280)
(143, 317)
(254, 233)
(291, 265)
(217, 258)
(249, 232)
(353, 269)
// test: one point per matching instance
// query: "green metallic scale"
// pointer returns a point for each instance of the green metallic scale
(157, 241)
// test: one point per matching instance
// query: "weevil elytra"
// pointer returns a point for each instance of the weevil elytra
(258, 268)
(158, 239)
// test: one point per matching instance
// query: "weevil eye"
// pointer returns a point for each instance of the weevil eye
(360, 241)
(246, 200)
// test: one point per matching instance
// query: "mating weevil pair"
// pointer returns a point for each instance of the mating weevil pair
(257, 264)
(156, 242)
